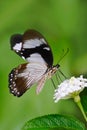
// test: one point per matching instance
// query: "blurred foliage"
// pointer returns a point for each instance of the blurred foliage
(64, 24)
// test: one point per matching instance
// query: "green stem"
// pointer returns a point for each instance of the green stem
(77, 100)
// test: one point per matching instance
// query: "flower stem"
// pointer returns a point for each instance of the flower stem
(77, 100)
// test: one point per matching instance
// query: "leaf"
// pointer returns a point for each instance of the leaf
(84, 99)
(84, 103)
(54, 121)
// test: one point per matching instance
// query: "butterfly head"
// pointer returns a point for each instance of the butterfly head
(51, 71)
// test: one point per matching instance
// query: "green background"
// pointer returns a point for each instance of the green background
(64, 24)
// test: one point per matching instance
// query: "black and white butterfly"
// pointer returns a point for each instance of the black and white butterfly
(32, 47)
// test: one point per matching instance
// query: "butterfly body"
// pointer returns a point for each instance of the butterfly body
(32, 47)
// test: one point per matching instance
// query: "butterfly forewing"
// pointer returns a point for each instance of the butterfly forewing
(32, 44)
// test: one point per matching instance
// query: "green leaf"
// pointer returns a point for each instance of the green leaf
(54, 121)
(84, 99)
(84, 103)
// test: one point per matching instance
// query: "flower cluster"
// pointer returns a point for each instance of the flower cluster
(70, 88)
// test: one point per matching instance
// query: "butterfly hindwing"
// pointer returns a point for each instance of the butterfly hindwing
(24, 76)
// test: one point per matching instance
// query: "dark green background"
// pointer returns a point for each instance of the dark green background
(64, 24)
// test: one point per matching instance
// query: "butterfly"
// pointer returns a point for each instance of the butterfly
(32, 47)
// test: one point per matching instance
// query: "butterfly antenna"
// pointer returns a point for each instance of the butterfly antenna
(64, 54)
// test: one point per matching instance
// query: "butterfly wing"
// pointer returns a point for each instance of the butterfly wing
(24, 76)
(33, 47)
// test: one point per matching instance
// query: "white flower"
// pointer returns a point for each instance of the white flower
(70, 88)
